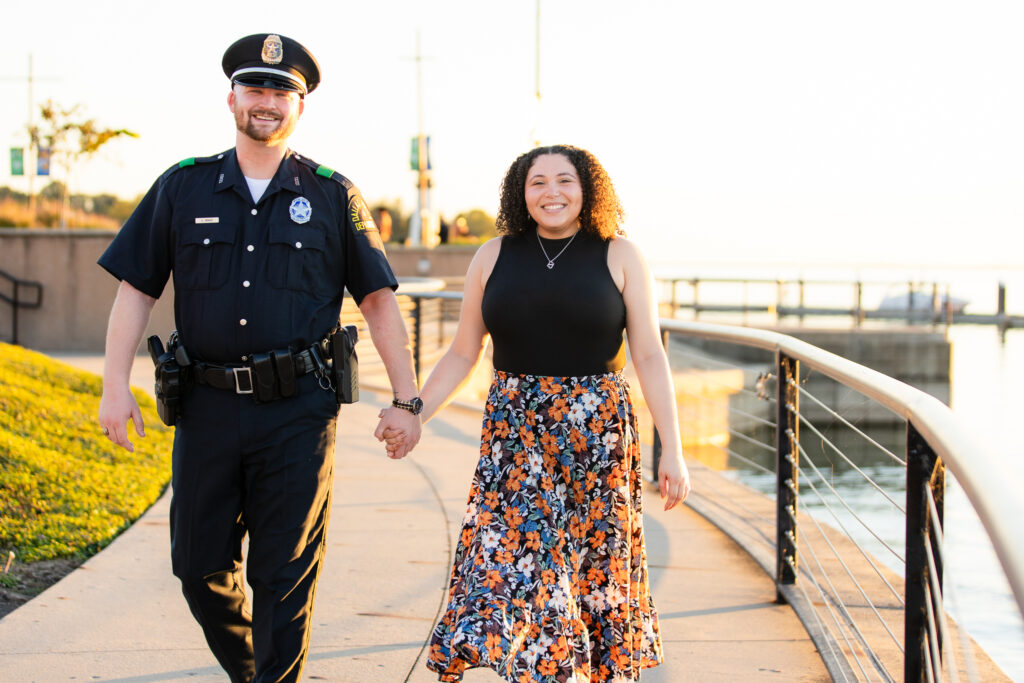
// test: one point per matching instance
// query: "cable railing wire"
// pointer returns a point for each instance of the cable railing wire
(833, 413)
(825, 601)
(751, 440)
(807, 459)
(841, 454)
(850, 574)
(852, 624)
(864, 553)
(949, 594)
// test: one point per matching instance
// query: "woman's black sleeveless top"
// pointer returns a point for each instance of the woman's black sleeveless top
(566, 321)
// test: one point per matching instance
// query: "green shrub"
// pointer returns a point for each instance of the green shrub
(65, 490)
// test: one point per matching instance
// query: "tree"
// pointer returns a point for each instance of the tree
(480, 224)
(69, 140)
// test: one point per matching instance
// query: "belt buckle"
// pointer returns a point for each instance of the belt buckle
(239, 373)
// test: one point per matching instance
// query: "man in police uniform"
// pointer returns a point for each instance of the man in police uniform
(262, 244)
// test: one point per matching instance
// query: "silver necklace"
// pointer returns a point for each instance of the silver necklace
(551, 261)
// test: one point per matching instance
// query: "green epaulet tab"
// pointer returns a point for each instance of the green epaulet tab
(187, 162)
(324, 171)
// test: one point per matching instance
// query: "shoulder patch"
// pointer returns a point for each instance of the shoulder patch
(359, 214)
(192, 161)
(324, 171)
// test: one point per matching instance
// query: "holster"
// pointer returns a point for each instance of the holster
(345, 363)
(171, 373)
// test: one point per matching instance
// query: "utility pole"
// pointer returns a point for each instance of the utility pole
(30, 163)
(421, 225)
(536, 119)
(30, 158)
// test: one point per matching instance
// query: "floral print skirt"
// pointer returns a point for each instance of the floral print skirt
(549, 583)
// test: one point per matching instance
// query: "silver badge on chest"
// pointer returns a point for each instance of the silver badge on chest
(300, 210)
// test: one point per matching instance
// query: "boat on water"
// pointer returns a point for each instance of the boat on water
(920, 300)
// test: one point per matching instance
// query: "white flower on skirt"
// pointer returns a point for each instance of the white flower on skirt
(615, 595)
(526, 565)
(595, 601)
(490, 538)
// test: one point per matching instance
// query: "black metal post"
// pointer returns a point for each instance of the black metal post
(859, 309)
(801, 283)
(14, 315)
(787, 456)
(417, 325)
(656, 446)
(924, 470)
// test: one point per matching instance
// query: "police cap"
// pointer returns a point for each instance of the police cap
(271, 61)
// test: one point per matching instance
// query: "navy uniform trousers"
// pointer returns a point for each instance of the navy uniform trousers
(263, 469)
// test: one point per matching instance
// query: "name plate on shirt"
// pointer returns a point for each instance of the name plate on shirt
(212, 219)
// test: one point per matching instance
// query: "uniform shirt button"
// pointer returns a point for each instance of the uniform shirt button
(250, 248)
(206, 241)
(243, 322)
(253, 212)
(298, 245)
(245, 358)
(245, 283)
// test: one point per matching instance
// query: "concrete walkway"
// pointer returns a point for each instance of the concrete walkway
(120, 616)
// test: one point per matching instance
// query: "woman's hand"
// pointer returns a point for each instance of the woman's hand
(399, 430)
(673, 479)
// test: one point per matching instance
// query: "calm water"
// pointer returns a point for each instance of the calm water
(987, 382)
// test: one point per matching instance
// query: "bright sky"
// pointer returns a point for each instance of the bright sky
(734, 130)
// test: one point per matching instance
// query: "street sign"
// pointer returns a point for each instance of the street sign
(17, 161)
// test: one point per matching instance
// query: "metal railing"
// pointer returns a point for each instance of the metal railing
(14, 299)
(857, 629)
(922, 303)
(864, 632)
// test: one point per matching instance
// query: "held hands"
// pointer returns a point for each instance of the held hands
(116, 408)
(673, 480)
(399, 430)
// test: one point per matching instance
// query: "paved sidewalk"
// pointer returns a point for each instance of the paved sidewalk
(120, 617)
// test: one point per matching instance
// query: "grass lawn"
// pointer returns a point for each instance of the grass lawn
(65, 490)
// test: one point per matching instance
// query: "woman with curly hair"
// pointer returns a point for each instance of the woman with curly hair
(549, 582)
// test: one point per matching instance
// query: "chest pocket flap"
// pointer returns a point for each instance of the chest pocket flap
(203, 256)
(299, 259)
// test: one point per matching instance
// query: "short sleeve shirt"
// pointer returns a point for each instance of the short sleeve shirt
(251, 277)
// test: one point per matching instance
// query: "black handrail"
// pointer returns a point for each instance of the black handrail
(15, 300)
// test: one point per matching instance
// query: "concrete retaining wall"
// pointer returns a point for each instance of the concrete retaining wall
(77, 293)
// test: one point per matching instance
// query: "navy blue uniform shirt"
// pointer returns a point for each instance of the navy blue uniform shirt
(251, 277)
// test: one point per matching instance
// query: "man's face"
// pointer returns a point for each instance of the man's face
(265, 114)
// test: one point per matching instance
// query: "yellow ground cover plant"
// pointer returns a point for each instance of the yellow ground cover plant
(65, 490)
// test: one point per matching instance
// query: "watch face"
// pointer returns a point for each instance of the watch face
(414, 405)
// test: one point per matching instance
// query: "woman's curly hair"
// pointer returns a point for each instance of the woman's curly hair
(601, 214)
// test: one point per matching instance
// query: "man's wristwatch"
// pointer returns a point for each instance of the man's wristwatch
(413, 405)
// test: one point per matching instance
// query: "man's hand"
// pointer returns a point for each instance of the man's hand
(116, 408)
(400, 429)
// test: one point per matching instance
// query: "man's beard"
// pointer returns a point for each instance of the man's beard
(246, 123)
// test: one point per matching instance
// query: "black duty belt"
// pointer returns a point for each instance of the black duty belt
(239, 378)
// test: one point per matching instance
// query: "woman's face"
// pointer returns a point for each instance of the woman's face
(554, 196)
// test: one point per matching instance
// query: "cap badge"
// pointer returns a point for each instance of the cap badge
(300, 210)
(273, 49)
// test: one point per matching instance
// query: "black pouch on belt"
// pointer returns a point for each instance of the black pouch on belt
(170, 378)
(345, 364)
(285, 368)
(265, 382)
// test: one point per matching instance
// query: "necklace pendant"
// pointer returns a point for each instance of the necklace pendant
(551, 264)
